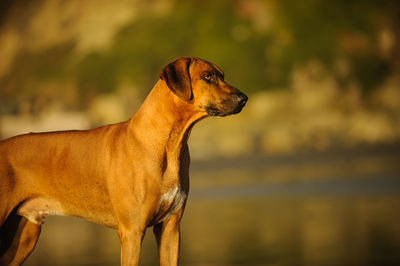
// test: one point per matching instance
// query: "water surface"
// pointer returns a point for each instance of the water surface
(321, 209)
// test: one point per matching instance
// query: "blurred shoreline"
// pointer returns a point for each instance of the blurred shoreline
(255, 161)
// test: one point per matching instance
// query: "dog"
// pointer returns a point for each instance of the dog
(128, 176)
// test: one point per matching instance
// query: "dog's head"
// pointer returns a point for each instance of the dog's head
(202, 84)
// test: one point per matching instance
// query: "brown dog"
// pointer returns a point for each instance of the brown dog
(128, 176)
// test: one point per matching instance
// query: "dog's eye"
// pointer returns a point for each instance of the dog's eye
(208, 76)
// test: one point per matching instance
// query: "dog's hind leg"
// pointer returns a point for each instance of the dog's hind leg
(18, 237)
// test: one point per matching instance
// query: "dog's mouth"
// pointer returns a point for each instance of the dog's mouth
(228, 107)
(213, 111)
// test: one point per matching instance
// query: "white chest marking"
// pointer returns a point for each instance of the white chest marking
(173, 200)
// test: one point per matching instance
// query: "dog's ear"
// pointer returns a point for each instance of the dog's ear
(177, 77)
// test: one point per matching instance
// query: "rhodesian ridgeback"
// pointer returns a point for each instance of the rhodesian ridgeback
(129, 176)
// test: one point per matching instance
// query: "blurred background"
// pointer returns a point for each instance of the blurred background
(307, 174)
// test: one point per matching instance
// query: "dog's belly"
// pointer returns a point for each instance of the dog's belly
(38, 208)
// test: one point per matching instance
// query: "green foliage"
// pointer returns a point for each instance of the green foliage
(252, 59)
(313, 28)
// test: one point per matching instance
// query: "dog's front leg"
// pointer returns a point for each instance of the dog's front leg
(132, 225)
(168, 239)
(131, 241)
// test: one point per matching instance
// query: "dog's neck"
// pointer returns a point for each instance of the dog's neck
(168, 119)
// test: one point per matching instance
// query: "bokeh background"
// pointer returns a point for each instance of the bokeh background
(307, 174)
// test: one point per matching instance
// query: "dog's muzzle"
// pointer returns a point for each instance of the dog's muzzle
(229, 106)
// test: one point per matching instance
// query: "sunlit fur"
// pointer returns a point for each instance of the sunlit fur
(129, 176)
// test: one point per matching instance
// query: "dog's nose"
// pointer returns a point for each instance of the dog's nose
(241, 99)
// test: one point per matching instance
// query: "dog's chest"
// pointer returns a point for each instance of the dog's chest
(170, 202)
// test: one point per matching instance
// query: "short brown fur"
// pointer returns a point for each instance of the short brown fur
(128, 176)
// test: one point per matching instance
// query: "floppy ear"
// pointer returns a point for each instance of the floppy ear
(177, 77)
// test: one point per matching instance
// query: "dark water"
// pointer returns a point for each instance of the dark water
(321, 209)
